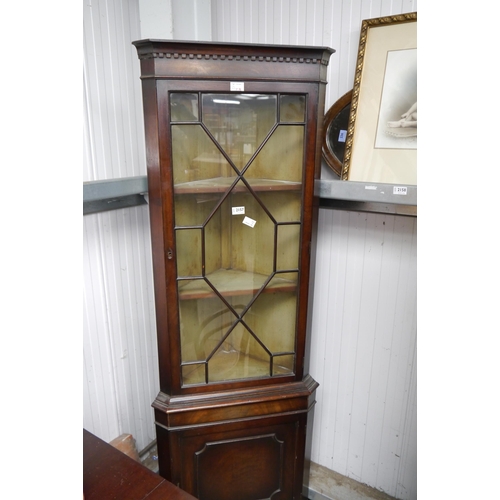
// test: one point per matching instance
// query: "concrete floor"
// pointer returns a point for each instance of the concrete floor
(149, 458)
(324, 484)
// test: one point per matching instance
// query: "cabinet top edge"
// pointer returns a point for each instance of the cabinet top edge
(149, 45)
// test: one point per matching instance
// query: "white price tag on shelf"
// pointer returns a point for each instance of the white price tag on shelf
(238, 210)
(249, 222)
(237, 86)
(400, 190)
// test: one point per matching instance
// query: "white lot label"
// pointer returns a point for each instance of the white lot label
(238, 210)
(237, 86)
(400, 190)
(249, 222)
(342, 135)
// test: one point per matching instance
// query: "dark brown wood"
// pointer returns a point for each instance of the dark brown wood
(219, 407)
(110, 474)
(224, 423)
(242, 439)
(182, 60)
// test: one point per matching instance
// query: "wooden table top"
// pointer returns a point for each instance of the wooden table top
(110, 474)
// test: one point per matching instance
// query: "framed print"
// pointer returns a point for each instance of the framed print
(335, 132)
(381, 143)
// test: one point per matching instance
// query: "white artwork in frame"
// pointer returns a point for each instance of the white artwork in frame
(397, 124)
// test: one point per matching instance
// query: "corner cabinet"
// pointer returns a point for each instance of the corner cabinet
(233, 141)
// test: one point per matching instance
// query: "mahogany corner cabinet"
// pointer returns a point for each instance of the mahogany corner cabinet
(233, 145)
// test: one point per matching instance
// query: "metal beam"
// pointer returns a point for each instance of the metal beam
(367, 192)
(111, 194)
(113, 188)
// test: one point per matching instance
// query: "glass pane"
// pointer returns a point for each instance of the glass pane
(247, 242)
(272, 317)
(281, 159)
(284, 364)
(183, 107)
(292, 108)
(238, 356)
(203, 317)
(201, 174)
(193, 374)
(239, 122)
(189, 258)
(196, 158)
(285, 207)
(194, 209)
(287, 251)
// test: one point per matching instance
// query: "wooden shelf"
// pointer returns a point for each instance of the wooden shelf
(231, 283)
(221, 185)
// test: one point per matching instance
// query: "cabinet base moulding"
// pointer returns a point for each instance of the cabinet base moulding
(250, 442)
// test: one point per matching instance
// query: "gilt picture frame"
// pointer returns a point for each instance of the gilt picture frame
(381, 142)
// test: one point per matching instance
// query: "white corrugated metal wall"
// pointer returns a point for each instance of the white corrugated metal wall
(364, 315)
(364, 349)
(120, 352)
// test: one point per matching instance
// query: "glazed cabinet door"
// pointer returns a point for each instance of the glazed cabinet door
(237, 167)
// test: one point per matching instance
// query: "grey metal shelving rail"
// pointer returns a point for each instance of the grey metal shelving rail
(112, 194)
(396, 199)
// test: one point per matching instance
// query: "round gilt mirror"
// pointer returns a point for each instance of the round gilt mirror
(335, 132)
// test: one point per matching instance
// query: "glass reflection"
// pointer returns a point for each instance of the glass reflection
(239, 122)
(292, 108)
(183, 107)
